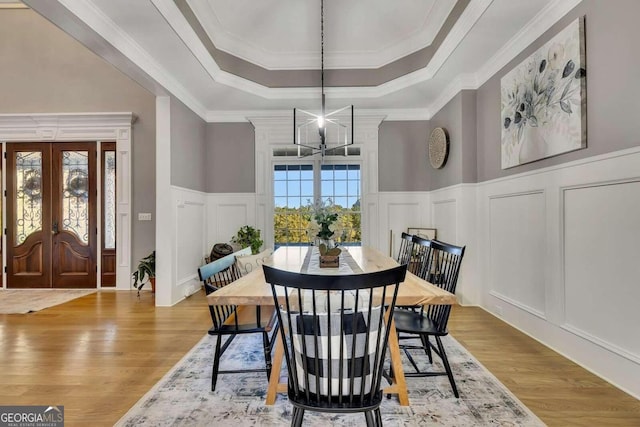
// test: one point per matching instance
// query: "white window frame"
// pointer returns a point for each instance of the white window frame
(316, 163)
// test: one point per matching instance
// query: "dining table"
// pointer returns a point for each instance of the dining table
(252, 289)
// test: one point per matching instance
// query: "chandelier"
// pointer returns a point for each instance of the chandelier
(327, 133)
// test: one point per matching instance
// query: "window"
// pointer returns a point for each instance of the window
(341, 184)
(296, 186)
(292, 191)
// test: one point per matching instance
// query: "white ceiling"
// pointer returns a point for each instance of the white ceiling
(151, 40)
(285, 34)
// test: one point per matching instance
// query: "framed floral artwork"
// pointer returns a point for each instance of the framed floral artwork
(543, 100)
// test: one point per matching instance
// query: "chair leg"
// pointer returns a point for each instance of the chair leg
(298, 415)
(427, 347)
(216, 363)
(445, 361)
(267, 353)
(371, 421)
(378, 417)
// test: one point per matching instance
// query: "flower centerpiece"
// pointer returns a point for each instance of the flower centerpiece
(325, 216)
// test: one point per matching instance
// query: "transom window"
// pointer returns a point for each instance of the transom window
(296, 186)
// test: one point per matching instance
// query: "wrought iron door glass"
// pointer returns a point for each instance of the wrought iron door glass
(28, 194)
(109, 199)
(75, 194)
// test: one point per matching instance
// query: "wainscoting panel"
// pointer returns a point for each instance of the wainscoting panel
(563, 260)
(445, 218)
(602, 265)
(189, 237)
(453, 210)
(397, 212)
(517, 250)
(227, 212)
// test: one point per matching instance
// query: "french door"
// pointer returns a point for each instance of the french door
(51, 215)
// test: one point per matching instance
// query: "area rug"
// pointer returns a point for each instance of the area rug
(20, 301)
(184, 397)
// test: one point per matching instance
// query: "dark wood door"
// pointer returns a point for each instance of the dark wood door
(51, 211)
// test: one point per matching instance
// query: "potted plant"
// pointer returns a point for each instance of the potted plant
(248, 236)
(146, 268)
(325, 215)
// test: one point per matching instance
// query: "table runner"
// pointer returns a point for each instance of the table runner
(346, 265)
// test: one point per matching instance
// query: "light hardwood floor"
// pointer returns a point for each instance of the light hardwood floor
(99, 354)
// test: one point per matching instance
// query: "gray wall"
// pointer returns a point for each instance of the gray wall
(403, 149)
(402, 156)
(613, 88)
(458, 117)
(188, 148)
(46, 71)
(449, 117)
(230, 158)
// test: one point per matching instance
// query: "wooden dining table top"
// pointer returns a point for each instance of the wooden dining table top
(252, 288)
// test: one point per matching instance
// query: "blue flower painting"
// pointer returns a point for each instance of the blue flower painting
(544, 101)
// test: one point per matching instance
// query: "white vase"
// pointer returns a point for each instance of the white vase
(532, 146)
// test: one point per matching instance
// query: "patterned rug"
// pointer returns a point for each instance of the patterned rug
(20, 301)
(184, 398)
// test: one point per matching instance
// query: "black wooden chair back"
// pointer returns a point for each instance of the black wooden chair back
(442, 270)
(214, 276)
(232, 320)
(421, 256)
(337, 330)
(406, 249)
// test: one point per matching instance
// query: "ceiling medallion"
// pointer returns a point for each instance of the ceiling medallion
(438, 147)
(326, 133)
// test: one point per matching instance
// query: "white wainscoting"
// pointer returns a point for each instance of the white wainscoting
(398, 211)
(517, 224)
(190, 213)
(602, 268)
(226, 213)
(453, 213)
(558, 259)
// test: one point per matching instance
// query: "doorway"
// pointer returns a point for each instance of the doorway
(51, 225)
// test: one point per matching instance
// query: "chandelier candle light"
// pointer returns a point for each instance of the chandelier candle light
(334, 129)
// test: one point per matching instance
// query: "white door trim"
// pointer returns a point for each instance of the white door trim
(87, 127)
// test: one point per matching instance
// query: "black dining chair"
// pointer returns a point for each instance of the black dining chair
(335, 330)
(406, 249)
(420, 255)
(441, 269)
(232, 320)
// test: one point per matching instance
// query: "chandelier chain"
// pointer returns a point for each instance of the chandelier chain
(322, 44)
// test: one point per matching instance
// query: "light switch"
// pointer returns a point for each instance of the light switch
(144, 216)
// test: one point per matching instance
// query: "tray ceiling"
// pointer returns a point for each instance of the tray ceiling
(235, 57)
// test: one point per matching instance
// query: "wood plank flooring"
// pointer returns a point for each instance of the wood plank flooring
(99, 354)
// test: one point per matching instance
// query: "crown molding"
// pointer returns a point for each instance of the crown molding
(460, 83)
(465, 23)
(88, 13)
(67, 119)
(273, 60)
(404, 114)
(16, 5)
(534, 29)
(546, 18)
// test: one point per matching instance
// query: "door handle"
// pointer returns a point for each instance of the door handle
(54, 228)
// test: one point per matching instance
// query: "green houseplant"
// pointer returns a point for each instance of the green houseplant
(146, 268)
(248, 236)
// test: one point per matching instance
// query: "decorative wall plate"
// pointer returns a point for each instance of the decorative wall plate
(438, 147)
